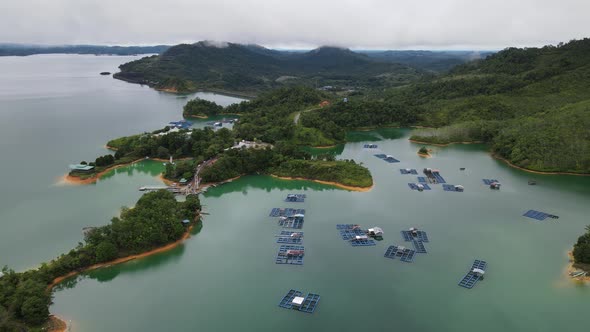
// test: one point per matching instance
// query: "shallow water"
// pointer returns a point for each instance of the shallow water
(224, 277)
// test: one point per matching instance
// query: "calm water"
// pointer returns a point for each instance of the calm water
(225, 279)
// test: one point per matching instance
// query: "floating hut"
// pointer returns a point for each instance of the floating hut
(375, 232)
(414, 231)
(297, 301)
(420, 186)
(532, 182)
(495, 185)
(459, 187)
(478, 272)
(359, 238)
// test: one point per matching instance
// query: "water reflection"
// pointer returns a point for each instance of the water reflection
(266, 183)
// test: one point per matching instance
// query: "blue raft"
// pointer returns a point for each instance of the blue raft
(286, 237)
(419, 246)
(309, 303)
(451, 187)
(471, 278)
(420, 236)
(285, 212)
(539, 215)
(295, 198)
(405, 254)
(291, 222)
(286, 257)
(408, 171)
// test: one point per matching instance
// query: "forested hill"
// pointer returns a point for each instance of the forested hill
(253, 68)
(22, 50)
(532, 105)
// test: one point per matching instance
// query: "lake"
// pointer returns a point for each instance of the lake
(224, 277)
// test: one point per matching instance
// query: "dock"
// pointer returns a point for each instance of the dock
(404, 254)
(474, 275)
(294, 300)
(173, 189)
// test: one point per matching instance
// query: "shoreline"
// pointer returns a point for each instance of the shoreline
(444, 144)
(324, 146)
(125, 259)
(424, 155)
(495, 156)
(336, 184)
(73, 180)
(571, 268)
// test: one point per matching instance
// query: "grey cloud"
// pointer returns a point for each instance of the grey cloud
(351, 23)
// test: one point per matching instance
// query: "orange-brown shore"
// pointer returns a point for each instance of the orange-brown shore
(165, 248)
(336, 184)
(56, 324)
(571, 268)
(424, 155)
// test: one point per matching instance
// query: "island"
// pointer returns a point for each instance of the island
(424, 152)
(157, 222)
(580, 268)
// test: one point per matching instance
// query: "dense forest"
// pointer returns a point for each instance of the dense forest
(252, 68)
(155, 220)
(201, 108)
(581, 251)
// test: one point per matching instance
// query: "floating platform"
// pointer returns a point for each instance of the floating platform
(539, 215)
(347, 226)
(295, 198)
(420, 236)
(390, 159)
(289, 237)
(422, 179)
(284, 258)
(414, 186)
(349, 234)
(404, 254)
(309, 304)
(408, 171)
(419, 246)
(471, 278)
(292, 222)
(451, 187)
(362, 243)
(380, 156)
(285, 212)
(438, 177)
(490, 181)
(370, 146)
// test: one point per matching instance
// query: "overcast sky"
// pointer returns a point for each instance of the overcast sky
(378, 24)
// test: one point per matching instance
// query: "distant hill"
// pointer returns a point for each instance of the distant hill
(437, 61)
(23, 50)
(532, 105)
(253, 68)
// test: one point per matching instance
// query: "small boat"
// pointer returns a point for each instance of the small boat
(532, 182)
(462, 168)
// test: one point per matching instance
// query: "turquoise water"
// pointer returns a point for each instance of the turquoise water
(224, 277)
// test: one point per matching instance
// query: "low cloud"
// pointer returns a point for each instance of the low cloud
(392, 24)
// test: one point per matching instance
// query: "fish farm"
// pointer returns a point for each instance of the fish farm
(451, 187)
(419, 186)
(414, 234)
(474, 275)
(539, 215)
(295, 198)
(370, 146)
(289, 254)
(289, 237)
(408, 171)
(285, 212)
(291, 222)
(404, 254)
(294, 300)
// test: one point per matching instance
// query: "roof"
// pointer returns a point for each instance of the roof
(480, 271)
(186, 221)
(81, 167)
(376, 230)
(298, 300)
(183, 180)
